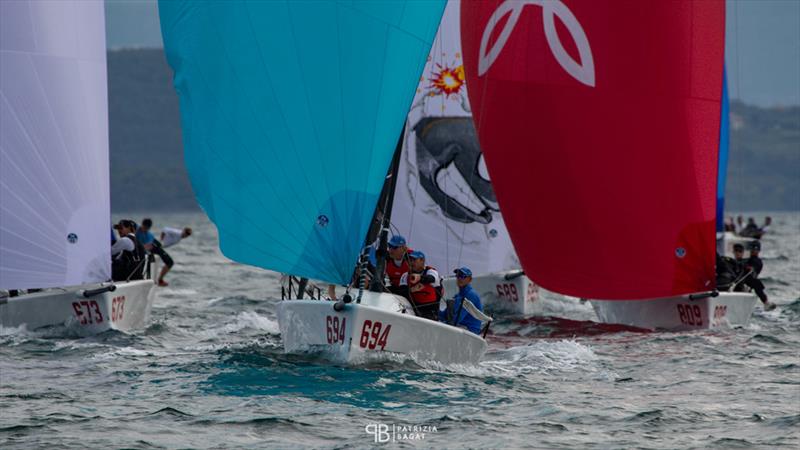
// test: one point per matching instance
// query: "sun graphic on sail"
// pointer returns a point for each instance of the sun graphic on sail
(447, 80)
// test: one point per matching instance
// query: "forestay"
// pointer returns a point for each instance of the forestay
(291, 112)
(604, 117)
(54, 178)
(444, 203)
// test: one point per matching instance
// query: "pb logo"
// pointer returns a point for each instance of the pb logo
(379, 431)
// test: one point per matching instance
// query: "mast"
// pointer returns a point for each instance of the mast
(383, 216)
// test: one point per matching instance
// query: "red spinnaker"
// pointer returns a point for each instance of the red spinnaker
(599, 121)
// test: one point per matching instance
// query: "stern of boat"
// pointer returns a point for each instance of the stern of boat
(728, 309)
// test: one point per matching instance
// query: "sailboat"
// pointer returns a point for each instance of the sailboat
(615, 108)
(444, 203)
(291, 115)
(54, 173)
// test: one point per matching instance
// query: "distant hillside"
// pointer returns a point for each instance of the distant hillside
(764, 165)
(147, 154)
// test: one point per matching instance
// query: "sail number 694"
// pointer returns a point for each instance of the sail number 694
(374, 334)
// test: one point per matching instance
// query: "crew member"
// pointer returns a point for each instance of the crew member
(127, 254)
(423, 285)
(753, 265)
(455, 311)
(396, 262)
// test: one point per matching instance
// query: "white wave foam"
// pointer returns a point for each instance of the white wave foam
(244, 320)
(539, 357)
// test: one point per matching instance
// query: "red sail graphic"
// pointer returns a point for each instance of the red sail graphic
(599, 122)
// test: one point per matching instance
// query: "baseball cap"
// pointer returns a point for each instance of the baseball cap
(416, 254)
(463, 271)
(397, 241)
(755, 245)
(125, 223)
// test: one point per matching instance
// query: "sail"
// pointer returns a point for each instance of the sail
(54, 176)
(291, 111)
(444, 203)
(724, 146)
(603, 118)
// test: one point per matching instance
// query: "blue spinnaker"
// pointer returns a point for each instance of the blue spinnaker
(724, 144)
(291, 111)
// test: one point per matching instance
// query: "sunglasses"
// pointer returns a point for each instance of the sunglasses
(461, 276)
(392, 247)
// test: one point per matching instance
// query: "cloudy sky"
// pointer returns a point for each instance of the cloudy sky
(762, 52)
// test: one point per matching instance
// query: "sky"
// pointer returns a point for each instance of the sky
(762, 44)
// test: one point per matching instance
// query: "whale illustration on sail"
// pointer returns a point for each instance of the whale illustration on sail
(444, 201)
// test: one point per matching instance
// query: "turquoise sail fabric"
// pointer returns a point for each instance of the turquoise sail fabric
(291, 111)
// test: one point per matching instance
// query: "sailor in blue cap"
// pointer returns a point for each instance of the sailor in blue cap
(424, 286)
(396, 262)
(458, 314)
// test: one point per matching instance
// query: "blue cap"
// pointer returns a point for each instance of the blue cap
(397, 241)
(464, 271)
(416, 254)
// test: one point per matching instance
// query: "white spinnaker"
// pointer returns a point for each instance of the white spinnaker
(54, 175)
(441, 168)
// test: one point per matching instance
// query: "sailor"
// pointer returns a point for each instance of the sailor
(753, 265)
(455, 311)
(751, 229)
(169, 237)
(730, 225)
(396, 262)
(423, 285)
(739, 224)
(727, 272)
(127, 254)
(154, 246)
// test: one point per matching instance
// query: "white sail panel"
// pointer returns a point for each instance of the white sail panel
(444, 203)
(54, 174)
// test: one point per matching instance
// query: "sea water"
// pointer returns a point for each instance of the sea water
(209, 372)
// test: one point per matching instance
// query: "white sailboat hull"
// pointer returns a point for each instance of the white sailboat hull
(503, 292)
(124, 309)
(374, 329)
(728, 309)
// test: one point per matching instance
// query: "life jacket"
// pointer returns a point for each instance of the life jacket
(428, 294)
(394, 272)
(129, 262)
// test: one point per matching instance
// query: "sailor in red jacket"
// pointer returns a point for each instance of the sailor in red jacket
(424, 286)
(396, 262)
